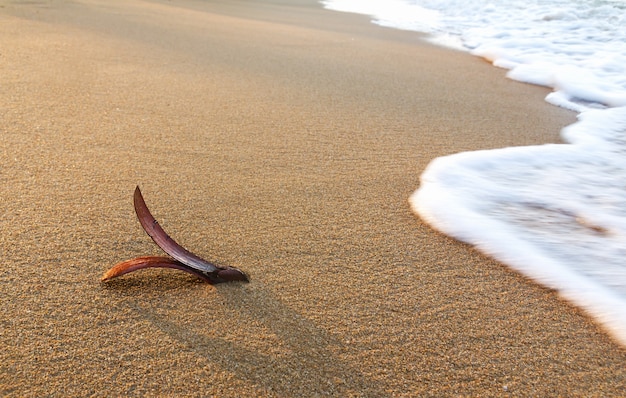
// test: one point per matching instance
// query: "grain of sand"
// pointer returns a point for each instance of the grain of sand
(283, 139)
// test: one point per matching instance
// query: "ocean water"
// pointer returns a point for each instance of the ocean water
(554, 212)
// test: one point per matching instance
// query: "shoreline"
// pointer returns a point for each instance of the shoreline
(285, 140)
(601, 300)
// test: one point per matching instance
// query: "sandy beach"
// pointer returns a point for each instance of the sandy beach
(285, 140)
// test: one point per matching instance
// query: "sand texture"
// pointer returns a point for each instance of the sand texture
(282, 139)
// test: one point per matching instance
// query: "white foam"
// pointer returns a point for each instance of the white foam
(578, 47)
(393, 13)
(556, 213)
(553, 212)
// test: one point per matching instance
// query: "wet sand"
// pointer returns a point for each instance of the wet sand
(285, 140)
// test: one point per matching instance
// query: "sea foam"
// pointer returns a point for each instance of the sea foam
(555, 212)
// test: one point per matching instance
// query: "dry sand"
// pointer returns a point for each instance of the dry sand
(283, 139)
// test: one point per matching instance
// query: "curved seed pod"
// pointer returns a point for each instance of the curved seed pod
(163, 240)
(211, 271)
(150, 262)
